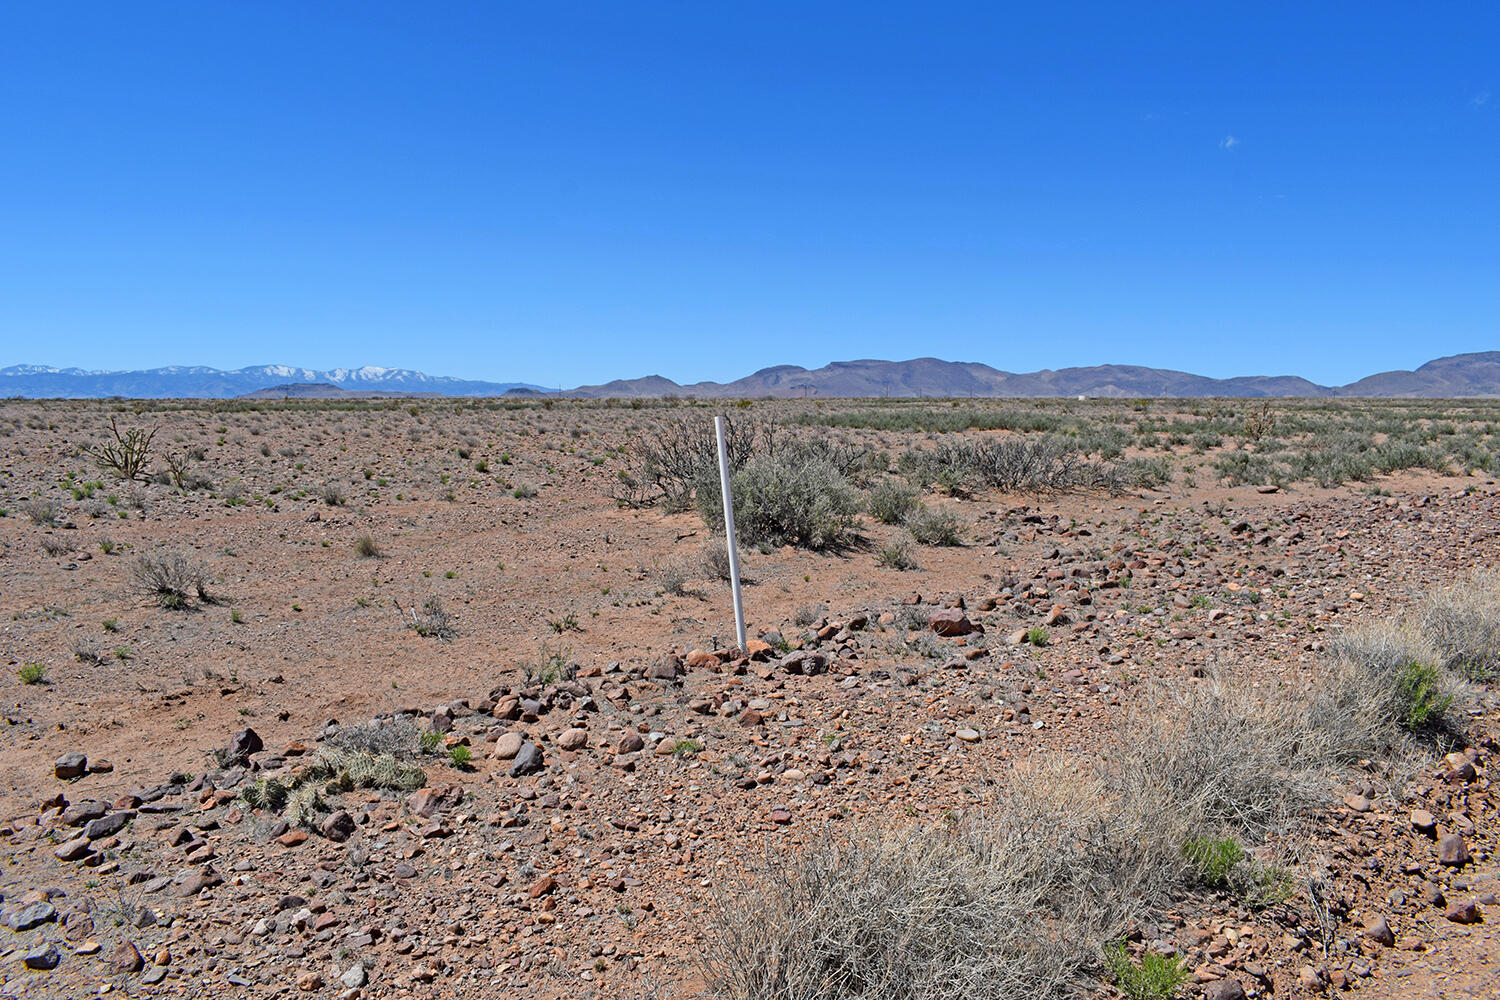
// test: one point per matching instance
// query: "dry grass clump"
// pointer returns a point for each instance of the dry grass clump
(1463, 621)
(396, 738)
(1383, 685)
(1013, 902)
(1208, 785)
(431, 620)
(173, 577)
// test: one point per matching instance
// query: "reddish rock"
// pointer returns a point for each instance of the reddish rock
(950, 622)
(1452, 851)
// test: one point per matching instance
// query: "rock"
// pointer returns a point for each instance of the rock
(125, 958)
(1463, 912)
(968, 735)
(70, 766)
(24, 918)
(82, 812)
(1433, 896)
(191, 883)
(41, 957)
(1357, 803)
(507, 746)
(950, 622)
(309, 981)
(107, 826)
(427, 801)
(1310, 979)
(354, 977)
(528, 761)
(668, 668)
(244, 743)
(631, 742)
(1452, 851)
(573, 739)
(339, 826)
(1224, 989)
(1378, 929)
(541, 886)
(292, 838)
(154, 975)
(699, 658)
(1423, 822)
(73, 850)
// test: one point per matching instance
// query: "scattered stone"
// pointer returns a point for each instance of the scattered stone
(125, 958)
(1452, 851)
(950, 622)
(28, 916)
(528, 761)
(507, 746)
(1463, 912)
(1224, 989)
(41, 956)
(339, 826)
(573, 739)
(1378, 929)
(70, 766)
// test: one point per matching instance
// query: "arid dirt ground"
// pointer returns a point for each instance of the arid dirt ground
(665, 779)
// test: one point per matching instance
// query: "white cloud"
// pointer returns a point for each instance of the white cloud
(1480, 99)
(1228, 142)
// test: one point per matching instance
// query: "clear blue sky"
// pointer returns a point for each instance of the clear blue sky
(566, 192)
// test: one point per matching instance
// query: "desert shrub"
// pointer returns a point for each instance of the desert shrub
(1420, 696)
(896, 554)
(43, 512)
(1046, 464)
(1376, 683)
(173, 577)
(431, 620)
(892, 501)
(1221, 761)
(396, 738)
(367, 547)
(672, 578)
(713, 559)
(53, 546)
(1156, 977)
(32, 673)
(333, 494)
(1146, 473)
(933, 527)
(669, 466)
(786, 500)
(1213, 858)
(1463, 622)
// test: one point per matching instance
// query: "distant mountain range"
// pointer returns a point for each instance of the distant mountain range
(1460, 375)
(197, 382)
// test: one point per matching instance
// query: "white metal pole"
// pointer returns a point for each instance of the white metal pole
(730, 541)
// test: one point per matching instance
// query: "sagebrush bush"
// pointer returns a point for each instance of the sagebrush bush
(891, 501)
(933, 527)
(173, 577)
(896, 554)
(785, 499)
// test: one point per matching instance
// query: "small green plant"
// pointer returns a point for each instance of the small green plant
(459, 756)
(1419, 694)
(236, 617)
(429, 740)
(1213, 859)
(111, 624)
(32, 673)
(686, 748)
(1038, 636)
(1157, 977)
